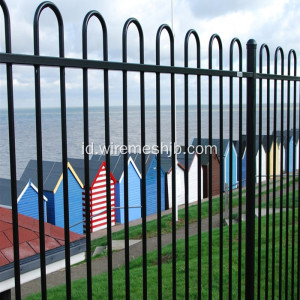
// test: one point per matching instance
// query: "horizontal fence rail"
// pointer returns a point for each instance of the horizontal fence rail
(251, 179)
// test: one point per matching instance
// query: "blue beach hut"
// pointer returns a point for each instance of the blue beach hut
(151, 182)
(134, 188)
(289, 154)
(27, 193)
(53, 190)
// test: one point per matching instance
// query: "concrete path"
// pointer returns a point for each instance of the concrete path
(99, 265)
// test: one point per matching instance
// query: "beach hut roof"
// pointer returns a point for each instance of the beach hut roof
(116, 164)
(78, 165)
(166, 162)
(237, 145)
(264, 142)
(181, 159)
(137, 158)
(204, 157)
(215, 142)
(52, 174)
(5, 187)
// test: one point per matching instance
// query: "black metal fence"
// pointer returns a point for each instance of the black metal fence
(260, 87)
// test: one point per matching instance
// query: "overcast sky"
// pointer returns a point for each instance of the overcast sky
(275, 22)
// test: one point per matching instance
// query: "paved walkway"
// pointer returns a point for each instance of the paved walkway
(99, 265)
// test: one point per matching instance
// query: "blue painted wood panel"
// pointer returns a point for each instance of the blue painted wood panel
(290, 167)
(151, 189)
(28, 204)
(55, 209)
(226, 166)
(134, 196)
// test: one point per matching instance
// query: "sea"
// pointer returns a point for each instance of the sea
(25, 130)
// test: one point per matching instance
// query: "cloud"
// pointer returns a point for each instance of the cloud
(273, 22)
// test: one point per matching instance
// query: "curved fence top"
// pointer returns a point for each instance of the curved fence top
(36, 24)
(89, 15)
(124, 38)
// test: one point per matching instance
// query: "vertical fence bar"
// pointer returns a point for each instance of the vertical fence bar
(12, 152)
(86, 136)
(186, 178)
(293, 134)
(278, 50)
(213, 37)
(173, 143)
(189, 33)
(200, 178)
(287, 171)
(262, 48)
(298, 254)
(259, 187)
(86, 162)
(38, 12)
(237, 41)
(174, 162)
(125, 141)
(158, 142)
(250, 171)
(210, 179)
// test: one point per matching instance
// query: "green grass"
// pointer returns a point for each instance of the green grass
(135, 232)
(100, 281)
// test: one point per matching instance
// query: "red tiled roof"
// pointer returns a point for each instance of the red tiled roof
(29, 243)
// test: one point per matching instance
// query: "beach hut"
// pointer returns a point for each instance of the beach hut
(151, 182)
(273, 149)
(53, 190)
(193, 175)
(289, 153)
(281, 147)
(166, 166)
(214, 177)
(243, 157)
(225, 156)
(260, 149)
(27, 193)
(98, 195)
(296, 141)
(134, 188)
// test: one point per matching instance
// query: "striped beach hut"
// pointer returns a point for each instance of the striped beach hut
(151, 182)
(166, 166)
(243, 157)
(193, 175)
(98, 195)
(53, 190)
(134, 188)
(214, 177)
(27, 193)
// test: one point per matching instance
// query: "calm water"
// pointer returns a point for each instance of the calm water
(26, 138)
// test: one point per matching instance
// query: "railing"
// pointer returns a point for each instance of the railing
(251, 286)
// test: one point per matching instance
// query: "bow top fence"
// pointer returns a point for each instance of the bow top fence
(265, 260)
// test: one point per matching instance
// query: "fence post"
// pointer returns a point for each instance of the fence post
(250, 171)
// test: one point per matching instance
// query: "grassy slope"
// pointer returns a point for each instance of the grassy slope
(135, 232)
(100, 281)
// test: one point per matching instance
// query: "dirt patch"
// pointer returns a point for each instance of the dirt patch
(164, 259)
